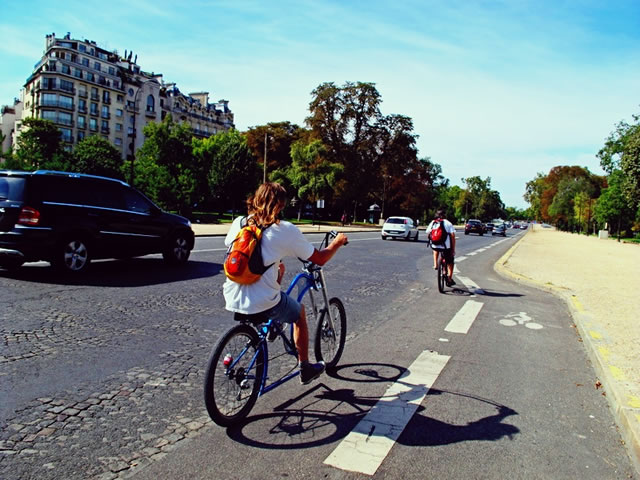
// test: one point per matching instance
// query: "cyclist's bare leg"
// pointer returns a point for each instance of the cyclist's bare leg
(301, 336)
(435, 259)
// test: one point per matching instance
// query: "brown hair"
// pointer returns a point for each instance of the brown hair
(266, 203)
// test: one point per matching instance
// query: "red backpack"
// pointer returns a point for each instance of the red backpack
(438, 235)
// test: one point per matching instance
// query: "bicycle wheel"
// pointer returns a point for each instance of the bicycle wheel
(442, 275)
(329, 342)
(232, 383)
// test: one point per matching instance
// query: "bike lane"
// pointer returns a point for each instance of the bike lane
(512, 397)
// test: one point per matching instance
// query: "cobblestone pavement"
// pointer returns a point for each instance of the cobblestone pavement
(122, 364)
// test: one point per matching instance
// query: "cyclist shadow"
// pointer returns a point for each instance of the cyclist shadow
(323, 415)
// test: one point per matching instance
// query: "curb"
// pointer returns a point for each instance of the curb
(627, 417)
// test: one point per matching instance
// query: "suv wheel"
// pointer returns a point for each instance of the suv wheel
(72, 255)
(177, 251)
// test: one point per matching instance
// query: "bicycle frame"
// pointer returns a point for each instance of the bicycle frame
(312, 279)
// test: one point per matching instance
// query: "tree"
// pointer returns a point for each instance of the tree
(165, 168)
(39, 146)
(612, 208)
(533, 195)
(310, 173)
(97, 156)
(233, 172)
(279, 138)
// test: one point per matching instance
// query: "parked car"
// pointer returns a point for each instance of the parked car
(400, 227)
(489, 227)
(68, 219)
(500, 229)
(474, 226)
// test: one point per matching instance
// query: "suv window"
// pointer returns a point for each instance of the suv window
(11, 188)
(135, 202)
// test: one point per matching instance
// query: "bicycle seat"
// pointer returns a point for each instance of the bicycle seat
(253, 318)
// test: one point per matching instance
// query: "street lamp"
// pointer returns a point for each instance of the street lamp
(134, 132)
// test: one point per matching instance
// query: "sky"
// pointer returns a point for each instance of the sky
(499, 89)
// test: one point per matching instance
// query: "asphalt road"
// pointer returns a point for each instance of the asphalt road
(102, 377)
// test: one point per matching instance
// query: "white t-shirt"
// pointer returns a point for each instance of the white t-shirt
(449, 228)
(280, 240)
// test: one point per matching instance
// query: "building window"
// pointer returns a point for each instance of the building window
(85, 62)
(65, 118)
(66, 69)
(66, 135)
(151, 103)
(66, 85)
(94, 94)
(49, 115)
(94, 108)
(96, 66)
(82, 47)
(119, 112)
(80, 136)
(82, 121)
(77, 73)
(66, 102)
(48, 83)
(82, 91)
(120, 98)
(82, 105)
(91, 77)
(104, 126)
(93, 125)
(118, 127)
(106, 96)
(105, 112)
(112, 71)
(118, 141)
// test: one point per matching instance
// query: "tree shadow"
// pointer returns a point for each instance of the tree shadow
(135, 272)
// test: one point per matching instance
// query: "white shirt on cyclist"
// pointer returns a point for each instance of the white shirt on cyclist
(449, 228)
(280, 240)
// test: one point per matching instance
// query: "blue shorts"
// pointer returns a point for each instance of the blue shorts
(286, 311)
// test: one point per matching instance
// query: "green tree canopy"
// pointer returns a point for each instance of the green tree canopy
(39, 146)
(233, 172)
(97, 156)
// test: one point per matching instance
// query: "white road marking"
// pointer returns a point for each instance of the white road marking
(462, 321)
(368, 444)
(470, 284)
(460, 259)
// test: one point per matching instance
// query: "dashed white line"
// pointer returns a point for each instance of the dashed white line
(462, 321)
(368, 444)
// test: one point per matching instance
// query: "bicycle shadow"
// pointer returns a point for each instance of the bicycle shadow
(323, 415)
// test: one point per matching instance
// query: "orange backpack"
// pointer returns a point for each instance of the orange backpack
(243, 263)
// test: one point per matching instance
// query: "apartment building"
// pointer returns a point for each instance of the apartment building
(87, 90)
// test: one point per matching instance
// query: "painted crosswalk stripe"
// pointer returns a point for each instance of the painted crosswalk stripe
(366, 446)
(462, 321)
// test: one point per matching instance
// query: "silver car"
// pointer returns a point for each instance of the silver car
(400, 227)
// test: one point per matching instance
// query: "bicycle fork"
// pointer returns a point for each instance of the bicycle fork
(322, 286)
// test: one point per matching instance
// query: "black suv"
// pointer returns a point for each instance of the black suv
(69, 219)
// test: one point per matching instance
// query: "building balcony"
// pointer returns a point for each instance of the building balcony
(106, 116)
(150, 113)
(105, 130)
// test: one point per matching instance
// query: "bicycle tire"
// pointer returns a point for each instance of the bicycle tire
(230, 398)
(441, 275)
(329, 343)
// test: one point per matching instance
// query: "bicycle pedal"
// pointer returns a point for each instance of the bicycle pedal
(272, 335)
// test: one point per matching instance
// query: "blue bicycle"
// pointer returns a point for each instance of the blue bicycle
(238, 370)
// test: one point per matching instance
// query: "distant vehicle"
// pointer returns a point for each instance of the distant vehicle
(515, 225)
(69, 219)
(400, 227)
(500, 229)
(474, 226)
(489, 227)
(524, 226)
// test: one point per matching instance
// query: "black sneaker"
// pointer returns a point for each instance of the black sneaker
(310, 371)
(451, 282)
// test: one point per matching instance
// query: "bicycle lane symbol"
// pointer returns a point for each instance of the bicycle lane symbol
(520, 318)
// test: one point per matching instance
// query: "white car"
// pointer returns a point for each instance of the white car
(400, 227)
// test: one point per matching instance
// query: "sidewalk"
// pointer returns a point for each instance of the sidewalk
(212, 230)
(599, 281)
